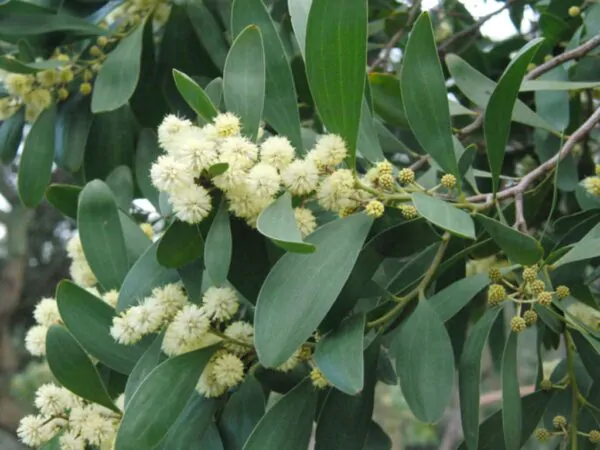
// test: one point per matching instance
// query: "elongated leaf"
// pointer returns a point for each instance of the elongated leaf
(425, 97)
(520, 248)
(209, 32)
(278, 223)
(449, 301)
(336, 57)
(120, 182)
(218, 247)
(13, 65)
(89, 319)
(195, 96)
(141, 427)
(64, 197)
(469, 376)
(511, 396)
(180, 244)
(73, 125)
(444, 215)
(588, 354)
(244, 79)
(120, 73)
(214, 91)
(101, 234)
(299, 10)
(280, 110)
(498, 111)
(340, 355)
(136, 240)
(300, 289)
(556, 85)
(242, 412)
(424, 363)
(146, 274)
(151, 358)
(368, 140)
(73, 369)
(288, 424)
(17, 24)
(553, 106)
(146, 154)
(35, 167)
(584, 249)
(377, 439)
(11, 133)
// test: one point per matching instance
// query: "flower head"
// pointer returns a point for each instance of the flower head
(318, 379)
(111, 297)
(74, 248)
(169, 130)
(70, 440)
(171, 298)
(238, 152)
(220, 303)
(196, 150)
(82, 274)
(170, 174)
(227, 124)
(228, 370)
(277, 151)
(264, 180)
(125, 329)
(336, 190)
(34, 431)
(592, 185)
(300, 177)
(18, 84)
(192, 204)
(330, 150)
(241, 333)
(186, 331)
(35, 340)
(46, 312)
(305, 221)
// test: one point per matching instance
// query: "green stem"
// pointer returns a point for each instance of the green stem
(227, 338)
(576, 394)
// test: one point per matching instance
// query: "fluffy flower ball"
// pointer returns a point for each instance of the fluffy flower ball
(277, 151)
(220, 304)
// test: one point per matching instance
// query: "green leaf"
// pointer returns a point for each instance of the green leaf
(146, 274)
(15, 66)
(520, 248)
(146, 154)
(120, 73)
(450, 300)
(377, 439)
(11, 133)
(209, 32)
(244, 79)
(387, 99)
(214, 91)
(300, 289)
(299, 10)
(589, 355)
(425, 97)
(64, 197)
(280, 111)
(478, 88)
(444, 215)
(180, 244)
(288, 423)
(141, 426)
(15, 24)
(336, 57)
(242, 412)
(73, 369)
(35, 167)
(136, 240)
(217, 169)
(556, 85)
(368, 141)
(101, 234)
(469, 376)
(511, 395)
(89, 319)
(278, 222)
(218, 247)
(120, 182)
(497, 116)
(340, 355)
(584, 249)
(151, 358)
(195, 96)
(424, 363)
(73, 125)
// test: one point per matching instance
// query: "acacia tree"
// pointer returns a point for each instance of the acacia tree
(318, 209)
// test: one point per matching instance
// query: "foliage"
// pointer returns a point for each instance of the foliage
(319, 228)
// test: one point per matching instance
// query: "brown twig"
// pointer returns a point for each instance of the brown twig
(520, 223)
(384, 56)
(419, 163)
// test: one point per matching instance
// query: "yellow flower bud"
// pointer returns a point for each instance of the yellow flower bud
(518, 324)
(62, 57)
(47, 78)
(87, 75)
(495, 275)
(63, 93)
(559, 422)
(406, 176)
(409, 212)
(386, 181)
(562, 292)
(96, 51)
(544, 298)
(102, 41)
(546, 384)
(542, 435)
(530, 317)
(592, 185)
(318, 379)
(375, 209)
(448, 181)
(530, 274)
(496, 294)
(85, 88)
(594, 436)
(530, 67)
(537, 286)
(18, 84)
(66, 75)
(547, 58)
(574, 11)
(384, 167)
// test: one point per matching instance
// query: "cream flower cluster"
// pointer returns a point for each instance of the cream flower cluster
(79, 422)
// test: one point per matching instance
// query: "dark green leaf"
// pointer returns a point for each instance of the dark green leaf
(377, 439)
(449, 301)
(244, 79)
(35, 167)
(16, 24)
(64, 197)
(136, 240)
(469, 376)
(180, 244)
(218, 247)
(520, 248)
(425, 97)
(368, 140)
(444, 215)
(424, 363)
(195, 96)
(209, 32)
(511, 394)
(340, 355)
(498, 111)
(300, 289)
(13, 65)
(120, 73)
(101, 234)
(336, 57)
(278, 223)
(151, 358)
(73, 369)
(299, 10)
(141, 426)
(584, 249)
(11, 133)
(552, 84)
(214, 91)
(146, 154)
(288, 424)
(120, 182)
(72, 129)
(217, 169)
(554, 106)
(387, 99)
(588, 354)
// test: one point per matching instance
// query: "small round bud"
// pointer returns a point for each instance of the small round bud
(517, 324)
(96, 67)
(87, 75)
(66, 75)
(546, 384)
(305, 353)
(530, 317)
(547, 58)
(448, 181)
(544, 298)
(384, 168)
(530, 67)
(345, 212)
(594, 436)
(495, 275)
(592, 185)
(574, 11)
(386, 181)
(318, 379)
(559, 422)
(562, 291)
(85, 88)
(496, 294)
(542, 435)
(96, 51)
(63, 93)
(597, 170)
(375, 209)
(102, 41)
(530, 274)
(409, 212)
(537, 286)
(406, 176)
(62, 57)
